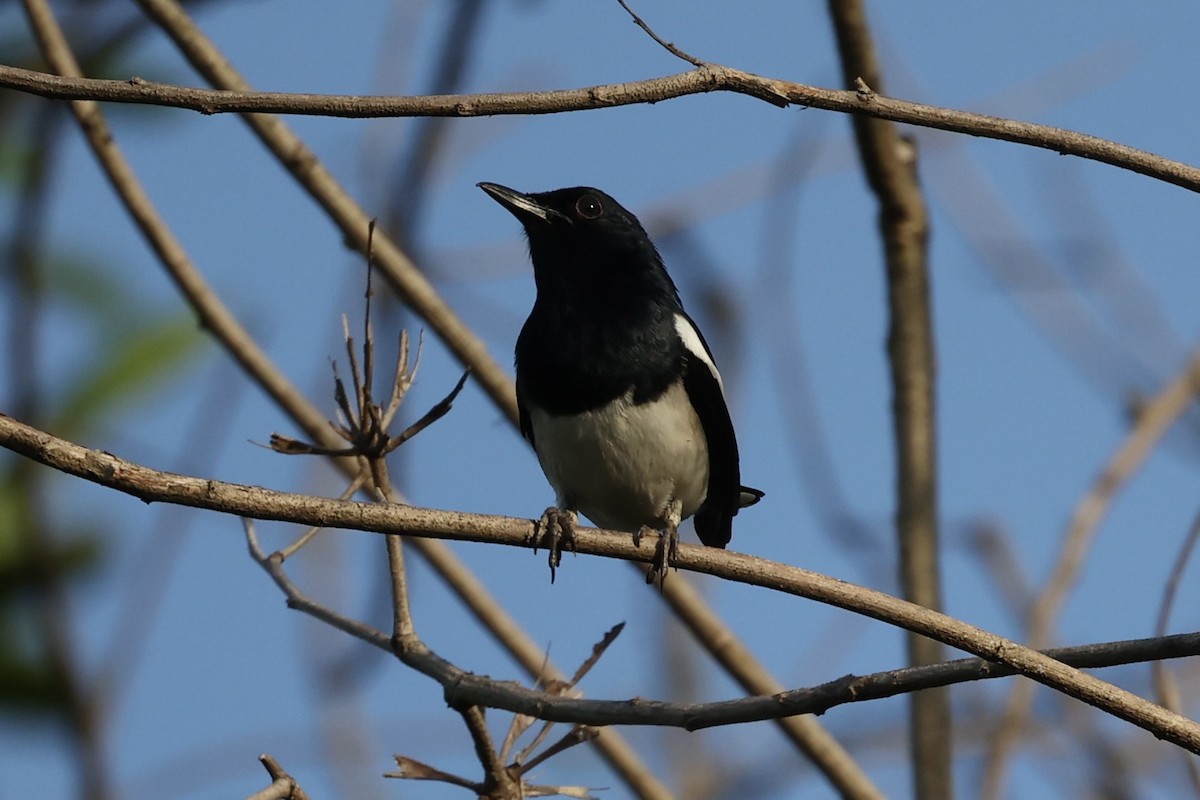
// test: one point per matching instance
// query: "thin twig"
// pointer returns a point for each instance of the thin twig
(521, 723)
(598, 650)
(490, 613)
(273, 565)
(577, 735)
(668, 46)
(439, 410)
(402, 621)
(402, 624)
(357, 483)
(413, 770)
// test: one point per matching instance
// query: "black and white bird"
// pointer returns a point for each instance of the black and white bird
(617, 389)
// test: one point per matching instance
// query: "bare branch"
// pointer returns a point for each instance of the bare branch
(249, 501)
(709, 78)
(273, 565)
(668, 46)
(598, 650)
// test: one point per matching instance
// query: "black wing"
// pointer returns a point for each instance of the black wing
(523, 420)
(714, 519)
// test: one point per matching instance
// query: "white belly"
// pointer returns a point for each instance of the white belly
(622, 465)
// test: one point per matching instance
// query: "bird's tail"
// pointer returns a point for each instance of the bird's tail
(714, 524)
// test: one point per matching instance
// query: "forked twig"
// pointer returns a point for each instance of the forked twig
(668, 46)
(505, 781)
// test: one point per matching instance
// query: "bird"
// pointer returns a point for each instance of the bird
(617, 390)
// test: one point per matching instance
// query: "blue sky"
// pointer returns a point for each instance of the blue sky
(1026, 421)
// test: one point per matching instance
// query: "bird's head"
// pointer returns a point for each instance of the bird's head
(580, 239)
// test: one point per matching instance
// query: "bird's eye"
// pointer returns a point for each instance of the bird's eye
(589, 207)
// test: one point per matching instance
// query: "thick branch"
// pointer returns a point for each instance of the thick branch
(250, 501)
(889, 163)
(709, 78)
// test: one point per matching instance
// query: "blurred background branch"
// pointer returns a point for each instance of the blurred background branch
(1083, 313)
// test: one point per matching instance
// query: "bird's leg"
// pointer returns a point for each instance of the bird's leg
(666, 552)
(556, 530)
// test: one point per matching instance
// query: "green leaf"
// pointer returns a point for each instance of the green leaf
(27, 686)
(133, 362)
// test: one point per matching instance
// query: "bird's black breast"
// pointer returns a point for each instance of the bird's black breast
(571, 359)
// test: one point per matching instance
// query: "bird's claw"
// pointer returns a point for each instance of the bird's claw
(637, 535)
(556, 530)
(666, 553)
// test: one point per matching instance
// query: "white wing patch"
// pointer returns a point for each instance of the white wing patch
(694, 345)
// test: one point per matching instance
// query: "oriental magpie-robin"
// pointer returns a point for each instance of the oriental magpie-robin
(617, 390)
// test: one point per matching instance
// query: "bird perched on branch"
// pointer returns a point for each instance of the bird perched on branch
(617, 390)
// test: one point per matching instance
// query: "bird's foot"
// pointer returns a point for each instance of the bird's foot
(556, 530)
(639, 533)
(666, 553)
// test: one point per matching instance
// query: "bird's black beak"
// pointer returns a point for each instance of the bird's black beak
(522, 206)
